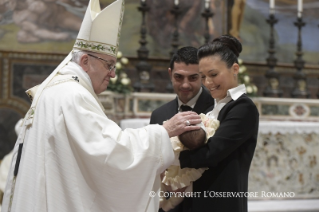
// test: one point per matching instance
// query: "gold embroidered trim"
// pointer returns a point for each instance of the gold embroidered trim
(103, 48)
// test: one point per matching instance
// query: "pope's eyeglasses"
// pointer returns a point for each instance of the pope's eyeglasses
(109, 67)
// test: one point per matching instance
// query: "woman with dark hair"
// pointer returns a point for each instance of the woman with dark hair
(228, 154)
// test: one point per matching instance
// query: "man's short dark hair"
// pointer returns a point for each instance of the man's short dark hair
(187, 55)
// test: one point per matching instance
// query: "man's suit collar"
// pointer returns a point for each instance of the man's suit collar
(172, 107)
(203, 102)
(191, 102)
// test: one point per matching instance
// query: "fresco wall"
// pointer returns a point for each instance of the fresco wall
(52, 26)
(255, 33)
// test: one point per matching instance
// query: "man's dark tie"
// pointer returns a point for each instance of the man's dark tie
(186, 108)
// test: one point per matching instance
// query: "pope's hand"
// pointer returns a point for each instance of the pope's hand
(181, 123)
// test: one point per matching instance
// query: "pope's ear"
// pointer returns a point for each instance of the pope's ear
(84, 62)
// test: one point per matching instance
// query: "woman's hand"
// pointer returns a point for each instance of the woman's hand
(181, 123)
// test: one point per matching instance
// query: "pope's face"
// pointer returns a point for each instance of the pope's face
(186, 80)
(99, 71)
(217, 77)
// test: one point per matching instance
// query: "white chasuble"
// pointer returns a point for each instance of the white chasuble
(75, 159)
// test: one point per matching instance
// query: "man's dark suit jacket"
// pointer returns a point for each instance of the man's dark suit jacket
(169, 109)
(228, 155)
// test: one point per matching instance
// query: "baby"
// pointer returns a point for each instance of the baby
(180, 180)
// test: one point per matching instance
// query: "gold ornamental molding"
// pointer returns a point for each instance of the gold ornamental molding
(19, 106)
(35, 56)
(5, 78)
(7, 59)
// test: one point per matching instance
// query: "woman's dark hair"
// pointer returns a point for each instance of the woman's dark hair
(226, 46)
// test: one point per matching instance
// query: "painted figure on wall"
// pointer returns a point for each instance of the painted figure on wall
(38, 22)
(51, 26)
(46, 20)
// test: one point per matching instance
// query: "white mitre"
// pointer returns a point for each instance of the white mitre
(99, 32)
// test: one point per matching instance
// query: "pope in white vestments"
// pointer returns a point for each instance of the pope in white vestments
(75, 159)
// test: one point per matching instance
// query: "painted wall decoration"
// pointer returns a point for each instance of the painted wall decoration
(19, 72)
(255, 33)
(52, 26)
(40, 26)
(26, 76)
